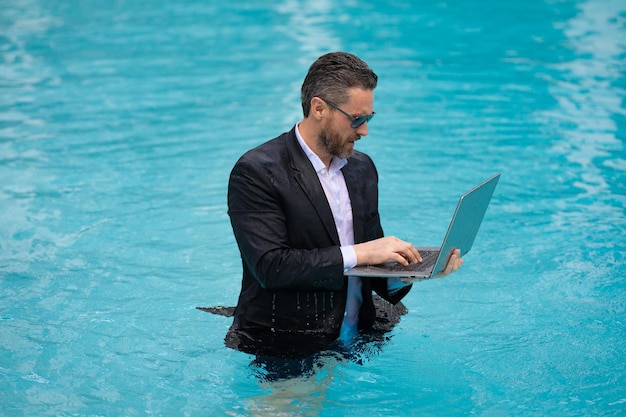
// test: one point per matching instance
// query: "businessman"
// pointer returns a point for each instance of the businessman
(304, 208)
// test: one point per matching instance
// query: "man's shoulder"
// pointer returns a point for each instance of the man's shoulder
(271, 149)
(360, 160)
(358, 156)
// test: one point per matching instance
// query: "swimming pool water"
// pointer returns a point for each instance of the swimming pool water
(120, 122)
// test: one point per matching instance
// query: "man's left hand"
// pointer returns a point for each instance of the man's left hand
(454, 263)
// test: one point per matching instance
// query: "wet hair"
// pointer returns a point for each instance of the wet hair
(332, 75)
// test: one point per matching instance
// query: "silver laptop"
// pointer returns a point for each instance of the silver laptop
(463, 228)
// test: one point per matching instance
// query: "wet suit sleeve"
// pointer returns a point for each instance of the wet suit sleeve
(276, 226)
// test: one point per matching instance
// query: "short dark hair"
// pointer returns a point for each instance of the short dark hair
(332, 74)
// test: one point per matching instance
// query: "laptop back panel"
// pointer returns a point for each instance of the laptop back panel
(466, 221)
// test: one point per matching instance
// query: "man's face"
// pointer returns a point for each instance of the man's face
(336, 136)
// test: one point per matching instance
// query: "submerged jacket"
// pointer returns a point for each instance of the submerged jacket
(293, 287)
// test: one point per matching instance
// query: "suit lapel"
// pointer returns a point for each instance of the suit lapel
(306, 177)
(356, 199)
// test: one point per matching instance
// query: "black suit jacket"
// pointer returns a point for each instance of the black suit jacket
(293, 282)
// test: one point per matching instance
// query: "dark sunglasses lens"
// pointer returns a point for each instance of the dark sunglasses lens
(360, 120)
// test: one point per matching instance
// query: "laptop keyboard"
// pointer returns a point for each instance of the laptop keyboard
(428, 259)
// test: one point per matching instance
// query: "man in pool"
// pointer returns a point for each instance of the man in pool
(304, 208)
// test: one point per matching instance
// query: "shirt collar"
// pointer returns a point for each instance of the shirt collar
(335, 164)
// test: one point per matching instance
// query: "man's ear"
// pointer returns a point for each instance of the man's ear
(318, 108)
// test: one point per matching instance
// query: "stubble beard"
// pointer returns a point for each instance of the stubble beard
(331, 142)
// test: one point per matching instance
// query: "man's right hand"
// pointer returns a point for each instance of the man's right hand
(388, 248)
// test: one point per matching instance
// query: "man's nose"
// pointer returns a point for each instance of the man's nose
(362, 130)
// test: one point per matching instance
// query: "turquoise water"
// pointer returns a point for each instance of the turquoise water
(120, 122)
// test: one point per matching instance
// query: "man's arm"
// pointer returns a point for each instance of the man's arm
(259, 204)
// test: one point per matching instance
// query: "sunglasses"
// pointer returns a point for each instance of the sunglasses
(356, 121)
